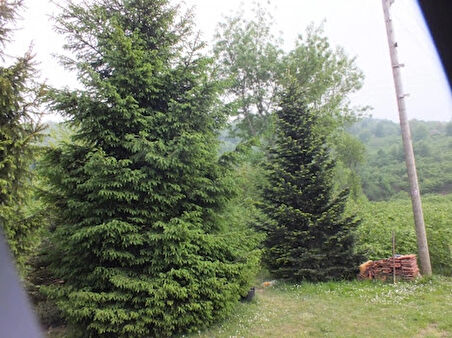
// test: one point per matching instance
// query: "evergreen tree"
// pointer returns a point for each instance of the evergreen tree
(308, 236)
(140, 245)
(18, 132)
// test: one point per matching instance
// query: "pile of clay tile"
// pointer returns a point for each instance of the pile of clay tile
(405, 268)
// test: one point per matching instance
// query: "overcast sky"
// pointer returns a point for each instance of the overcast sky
(356, 25)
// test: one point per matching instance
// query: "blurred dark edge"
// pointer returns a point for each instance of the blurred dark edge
(17, 319)
(438, 16)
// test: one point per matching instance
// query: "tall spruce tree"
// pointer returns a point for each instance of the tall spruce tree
(308, 236)
(139, 241)
(19, 130)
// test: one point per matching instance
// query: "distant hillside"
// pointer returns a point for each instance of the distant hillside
(384, 173)
(55, 132)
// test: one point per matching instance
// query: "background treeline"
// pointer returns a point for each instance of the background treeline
(383, 171)
(371, 157)
(380, 162)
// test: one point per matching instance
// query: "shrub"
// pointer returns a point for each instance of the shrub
(379, 219)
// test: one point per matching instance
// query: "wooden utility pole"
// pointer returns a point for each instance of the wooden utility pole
(422, 245)
(393, 258)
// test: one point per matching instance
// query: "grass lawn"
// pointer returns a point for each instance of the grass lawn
(344, 309)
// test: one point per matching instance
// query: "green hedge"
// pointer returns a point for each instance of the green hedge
(379, 219)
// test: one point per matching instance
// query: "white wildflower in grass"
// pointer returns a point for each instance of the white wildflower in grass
(397, 293)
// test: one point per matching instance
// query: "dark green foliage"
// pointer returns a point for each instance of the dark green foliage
(19, 215)
(39, 277)
(143, 240)
(383, 174)
(308, 237)
(449, 129)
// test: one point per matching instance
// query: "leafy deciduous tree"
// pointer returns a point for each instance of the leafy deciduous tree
(325, 76)
(350, 155)
(248, 58)
(252, 61)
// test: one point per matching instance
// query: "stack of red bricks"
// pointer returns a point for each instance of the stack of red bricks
(405, 268)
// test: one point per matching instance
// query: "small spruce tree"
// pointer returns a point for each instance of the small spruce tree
(139, 244)
(308, 236)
